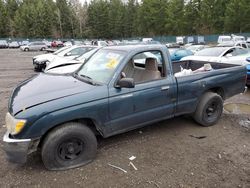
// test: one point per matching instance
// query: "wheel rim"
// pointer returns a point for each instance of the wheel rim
(70, 149)
(212, 110)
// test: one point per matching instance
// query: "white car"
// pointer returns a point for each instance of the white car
(64, 66)
(242, 44)
(40, 62)
(233, 55)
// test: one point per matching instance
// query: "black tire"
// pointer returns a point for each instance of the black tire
(69, 146)
(209, 109)
(26, 49)
(42, 49)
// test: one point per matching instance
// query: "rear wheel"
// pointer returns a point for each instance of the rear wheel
(68, 146)
(209, 109)
(26, 49)
(42, 49)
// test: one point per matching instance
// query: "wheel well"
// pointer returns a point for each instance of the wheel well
(219, 91)
(89, 123)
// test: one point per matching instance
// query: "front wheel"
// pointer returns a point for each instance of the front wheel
(26, 49)
(68, 146)
(209, 109)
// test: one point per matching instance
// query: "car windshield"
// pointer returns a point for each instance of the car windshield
(60, 50)
(215, 52)
(87, 55)
(101, 66)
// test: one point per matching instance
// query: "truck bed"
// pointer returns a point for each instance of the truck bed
(193, 65)
(225, 79)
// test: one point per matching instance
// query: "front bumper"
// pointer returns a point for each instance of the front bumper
(16, 150)
(39, 66)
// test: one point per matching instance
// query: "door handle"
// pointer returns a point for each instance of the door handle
(163, 88)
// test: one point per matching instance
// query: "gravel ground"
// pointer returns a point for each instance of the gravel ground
(168, 153)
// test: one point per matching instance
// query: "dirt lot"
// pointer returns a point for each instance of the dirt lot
(167, 153)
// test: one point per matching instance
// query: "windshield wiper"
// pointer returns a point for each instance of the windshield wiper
(87, 78)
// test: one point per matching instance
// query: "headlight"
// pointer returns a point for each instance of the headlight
(14, 126)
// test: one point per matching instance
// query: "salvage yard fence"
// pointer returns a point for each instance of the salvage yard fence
(162, 39)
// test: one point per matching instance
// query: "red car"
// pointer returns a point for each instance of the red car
(57, 43)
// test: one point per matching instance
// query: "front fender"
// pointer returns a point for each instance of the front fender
(95, 110)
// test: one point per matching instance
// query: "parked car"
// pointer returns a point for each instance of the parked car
(70, 66)
(24, 42)
(34, 46)
(233, 55)
(4, 44)
(48, 43)
(100, 43)
(70, 55)
(61, 114)
(57, 44)
(14, 44)
(224, 38)
(68, 43)
(78, 42)
(39, 61)
(180, 40)
(177, 53)
(173, 45)
(242, 44)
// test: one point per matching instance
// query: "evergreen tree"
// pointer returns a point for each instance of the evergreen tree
(151, 17)
(3, 22)
(98, 16)
(174, 20)
(237, 16)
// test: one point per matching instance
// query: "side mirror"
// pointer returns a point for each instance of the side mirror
(229, 55)
(248, 59)
(126, 83)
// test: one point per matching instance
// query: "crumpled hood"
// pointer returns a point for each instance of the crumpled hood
(64, 69)
(43, 88)
(45, 57)
(60, 61)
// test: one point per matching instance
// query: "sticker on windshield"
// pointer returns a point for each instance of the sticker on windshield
(111, 55)
(112, 63)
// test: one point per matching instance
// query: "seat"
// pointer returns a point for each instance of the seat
(129, 69)
(151, 70)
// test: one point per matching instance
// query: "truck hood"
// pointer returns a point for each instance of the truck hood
(44, 88)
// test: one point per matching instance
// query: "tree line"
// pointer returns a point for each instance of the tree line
(121, 19)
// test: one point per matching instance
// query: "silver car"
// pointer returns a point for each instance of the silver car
(34, 46)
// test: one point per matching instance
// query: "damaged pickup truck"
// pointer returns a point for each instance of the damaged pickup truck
(118, 89)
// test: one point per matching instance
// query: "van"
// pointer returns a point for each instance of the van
(180, 40)
(224, 38)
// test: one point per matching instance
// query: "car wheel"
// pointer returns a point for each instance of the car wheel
(209, 109)
(42, 49)
(26, 49)
(68, 146)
